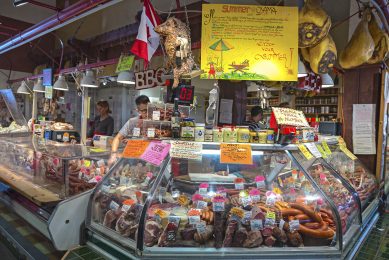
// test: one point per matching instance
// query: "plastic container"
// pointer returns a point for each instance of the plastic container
(262, 136)
(270, 136)
(230, 135)
(243, 134)
(188, 129)
(200, 133)
(217, 135)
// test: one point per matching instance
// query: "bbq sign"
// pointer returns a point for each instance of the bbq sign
(149, 78)
(248, 42)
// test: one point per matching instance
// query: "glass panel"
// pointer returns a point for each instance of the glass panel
(209, 204)
(356, 174)
(119, 200)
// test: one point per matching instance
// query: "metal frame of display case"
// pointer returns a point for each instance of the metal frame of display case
(343, 247)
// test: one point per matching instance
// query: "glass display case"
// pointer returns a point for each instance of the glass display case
(9, 109)
(281, 203)
(47, 172)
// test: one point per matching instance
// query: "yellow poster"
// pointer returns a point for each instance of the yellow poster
(249, 42)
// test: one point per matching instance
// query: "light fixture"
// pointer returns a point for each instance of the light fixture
(326, 81)
(89, 80)
(302, 71)
(38, 86)
(61, 83)
(126, 77)
(18, 3)
(24, 89)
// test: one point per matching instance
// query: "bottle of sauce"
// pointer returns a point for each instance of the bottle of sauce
(176, 120)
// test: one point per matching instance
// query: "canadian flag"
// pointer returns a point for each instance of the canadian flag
(147, 41)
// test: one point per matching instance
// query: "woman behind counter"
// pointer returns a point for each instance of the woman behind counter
(103, 123)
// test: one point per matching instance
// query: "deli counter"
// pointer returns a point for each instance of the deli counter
(282, 205)
(48, 183)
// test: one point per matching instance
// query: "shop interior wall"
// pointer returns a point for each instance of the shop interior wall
(361, 86)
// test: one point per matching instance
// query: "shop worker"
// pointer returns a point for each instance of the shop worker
(141, 105)
(103, 123)
(256, 123)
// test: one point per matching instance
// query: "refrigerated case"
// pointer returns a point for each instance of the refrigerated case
(280, 206)
(50, 183)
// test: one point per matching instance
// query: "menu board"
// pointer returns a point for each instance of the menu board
(236, 154)
(288, 116)
(249, 42)
(186, 150)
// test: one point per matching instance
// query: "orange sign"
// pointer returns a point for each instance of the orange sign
(236, 153)
(135, 148)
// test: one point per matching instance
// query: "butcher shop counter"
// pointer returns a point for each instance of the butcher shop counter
(50, 183)
(285, 204)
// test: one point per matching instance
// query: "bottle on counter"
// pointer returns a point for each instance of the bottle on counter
(208, 137)
(188, 129)
(176, 120)
(199, 132)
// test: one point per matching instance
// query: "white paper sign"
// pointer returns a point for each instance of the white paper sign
(186, 150)
(364, 128)
(313, 149)
(288, 116)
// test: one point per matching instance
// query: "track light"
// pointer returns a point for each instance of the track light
(89, 80)
(24, 89)
(61, 83)
(38, 86)
(126, 77)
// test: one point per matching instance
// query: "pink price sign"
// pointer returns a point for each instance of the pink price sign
(156, 152)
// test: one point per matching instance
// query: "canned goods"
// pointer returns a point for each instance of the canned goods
(254, 138)
(262, 134)
(270, 136)
(243, 135)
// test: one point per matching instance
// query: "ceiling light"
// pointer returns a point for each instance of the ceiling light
(302, 71)
(61, 83)
(126, 77)
(23, 89)
(38, 86)
(89, 80)
(326, 81)
(18, 3)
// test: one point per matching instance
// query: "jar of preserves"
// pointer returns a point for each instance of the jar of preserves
(262, 136)
(254, 138)
(230, 135)
(208, 136)
(243, 134)
(199, 132)
(188, 129)
(217, 135)
(270, 136)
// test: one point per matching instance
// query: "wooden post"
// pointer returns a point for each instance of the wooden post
(381, 142)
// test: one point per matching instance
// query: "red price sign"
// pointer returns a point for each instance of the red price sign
(185, 94)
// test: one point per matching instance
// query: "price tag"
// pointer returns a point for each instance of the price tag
(246, 217)
(246, 201)
(123, 180)
(105, 188)
(194, 220)
(271, 200)
(239, 186)
(313, 149)
(136, 132)
(151, 132)
(174, 219)
(326, 148)
(113, 205)
(235, 154)
(203, 191)
(100, 163)
(294, 225)
(156, 152)
(347, 152)
(271, 215)
(125, 207)
(256, 224)
(218, 206)
(282, 223)
(322, 152)
(201, 204)
(269, 222)
(305, 152)
(135, 148)
(156, 115)
(201, 227)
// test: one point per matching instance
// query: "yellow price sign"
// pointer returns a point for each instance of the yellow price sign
(349, 154)
(321, 150)
(271, 215)
(305, 152)
(326, 148)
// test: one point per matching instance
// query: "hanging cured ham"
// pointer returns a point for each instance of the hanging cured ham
(322, 57)
(381, 42)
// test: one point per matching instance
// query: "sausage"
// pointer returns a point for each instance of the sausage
(328, 212)
(317, 233)
(264, 209)
(313, 215)
(312, 225)
(330, 221)
(302, 217)
(291, 212)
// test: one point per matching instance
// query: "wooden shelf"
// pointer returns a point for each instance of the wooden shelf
(308, 105)
(330, 114)
(319, 96)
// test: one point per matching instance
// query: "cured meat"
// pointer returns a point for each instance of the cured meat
(152, 232)
(109, 218)
(254, 239)
(219, 229)
(202, 238)
(188, 233)
(323, 56)
(361, 46)
(270, 241)
(230, 232)
(280, 234)
(295, 239)
(267, 231)
(240, 237)
(314, 24)
(168, 236)
(381, 42)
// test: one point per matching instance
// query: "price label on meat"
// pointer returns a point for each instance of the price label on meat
(256, 224)
(326, 148)
(288, 116)
(349, 154)
(305, 152)
(235, 154)
(186, 150)
(249, 42)
(156, 152)
(135, 148)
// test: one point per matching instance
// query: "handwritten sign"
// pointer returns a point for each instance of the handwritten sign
(326, 148)
(313, 149)
(288, 116)
(249, 42)
(322, 152)
(135, 148)
(305, 152)
(236, 154)
(125, 63)
(186, 150)
(156, 152)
